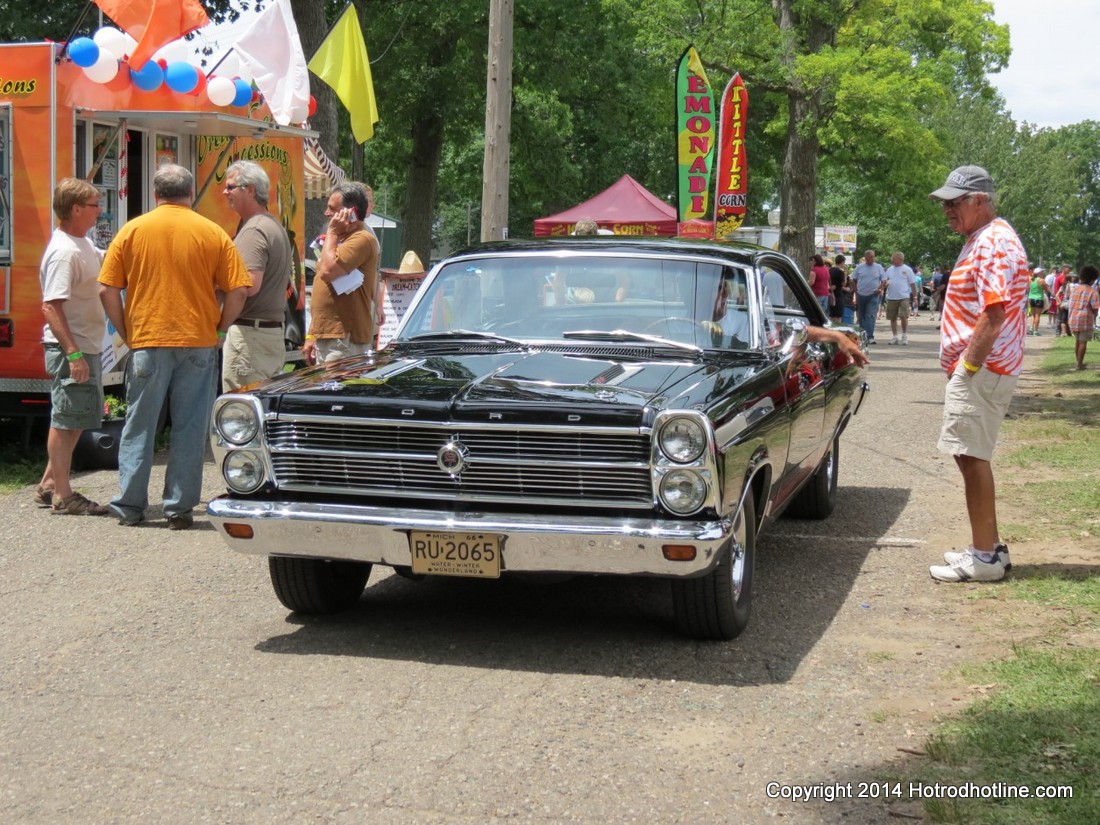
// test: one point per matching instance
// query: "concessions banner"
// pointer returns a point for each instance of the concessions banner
(840, 239)
(694, 135)
(732, 179)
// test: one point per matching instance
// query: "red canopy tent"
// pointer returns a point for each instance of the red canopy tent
(626, 208)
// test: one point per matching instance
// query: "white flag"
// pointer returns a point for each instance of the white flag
(273, 53)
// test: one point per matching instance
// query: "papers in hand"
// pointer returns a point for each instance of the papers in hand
(347, 283)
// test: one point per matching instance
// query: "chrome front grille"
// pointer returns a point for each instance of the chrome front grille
(544, 465)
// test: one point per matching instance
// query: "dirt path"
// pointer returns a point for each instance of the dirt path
(151, 676)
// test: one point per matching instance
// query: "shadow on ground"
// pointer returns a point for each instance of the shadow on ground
(606, 625)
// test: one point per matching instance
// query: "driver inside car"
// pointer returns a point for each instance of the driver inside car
(729, 321)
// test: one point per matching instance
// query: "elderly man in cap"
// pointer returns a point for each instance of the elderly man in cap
(982, 351)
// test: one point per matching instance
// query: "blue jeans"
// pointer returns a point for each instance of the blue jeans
(847, 314)
(867, 313)
(187, 377)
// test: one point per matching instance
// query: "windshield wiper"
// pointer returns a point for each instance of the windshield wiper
(466, 333)
(626, 335)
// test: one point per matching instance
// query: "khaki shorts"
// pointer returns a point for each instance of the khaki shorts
(974, 407)
(74, 406)
(897, 309)
(250, 355)
(333, 349)
(1084, 335)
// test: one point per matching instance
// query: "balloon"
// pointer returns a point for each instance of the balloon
(312, 105)
(173, 52)
(112, 40)
(149, 77)
(243, 94)
(181, 77)
(298, 114)
(104, 69)
(221, 91)
(84, 52)
(200, 86)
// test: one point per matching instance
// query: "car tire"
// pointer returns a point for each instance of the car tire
(717, 606)
(317, 586)
(817, 498)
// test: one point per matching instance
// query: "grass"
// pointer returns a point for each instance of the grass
(19, 465)
(1041, 725)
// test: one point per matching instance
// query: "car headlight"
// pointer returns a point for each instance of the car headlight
(683, 491)
(237, 422)
(243, 471)
(682, 439)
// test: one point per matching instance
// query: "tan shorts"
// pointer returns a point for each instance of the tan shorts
(333, 349)
(251, 355)
(1084, 335)
(897, 309)
(974, 407)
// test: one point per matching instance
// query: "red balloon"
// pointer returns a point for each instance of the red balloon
(312, 105)
(200, 87)
(255, 95)
(163, 64)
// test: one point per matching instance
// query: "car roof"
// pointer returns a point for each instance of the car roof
(738, 252)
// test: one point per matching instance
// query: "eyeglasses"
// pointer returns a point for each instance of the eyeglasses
(229, 187)
(93, 205)
(951, 204)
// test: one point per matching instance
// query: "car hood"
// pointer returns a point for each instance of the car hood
(530, 387)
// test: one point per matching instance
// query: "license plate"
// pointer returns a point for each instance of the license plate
(455, 554)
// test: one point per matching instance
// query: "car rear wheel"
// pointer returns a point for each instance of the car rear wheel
(817, 499)
(317, 585)
(717, 605)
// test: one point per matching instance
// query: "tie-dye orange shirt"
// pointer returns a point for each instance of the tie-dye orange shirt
(992, 269)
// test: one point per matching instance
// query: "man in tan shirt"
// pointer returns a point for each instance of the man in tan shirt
(342, 322)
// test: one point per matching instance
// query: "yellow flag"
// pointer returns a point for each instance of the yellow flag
(341, 62)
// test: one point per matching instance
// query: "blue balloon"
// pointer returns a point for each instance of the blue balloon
(244, 93)
(84, 52)
(149, 78)
(181, 77)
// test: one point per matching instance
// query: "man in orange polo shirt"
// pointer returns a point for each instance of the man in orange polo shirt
(171, 262)
(982, 350)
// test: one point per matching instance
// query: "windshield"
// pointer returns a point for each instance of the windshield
(548, 297)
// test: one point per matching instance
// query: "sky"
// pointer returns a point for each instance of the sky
(1053, 75)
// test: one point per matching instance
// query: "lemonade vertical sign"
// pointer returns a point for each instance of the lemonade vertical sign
(694, 136)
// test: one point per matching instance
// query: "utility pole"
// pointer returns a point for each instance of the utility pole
(498, 122)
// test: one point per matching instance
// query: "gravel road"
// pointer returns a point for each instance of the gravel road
(151, 676)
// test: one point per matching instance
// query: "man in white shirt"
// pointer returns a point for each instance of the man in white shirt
(901, 290)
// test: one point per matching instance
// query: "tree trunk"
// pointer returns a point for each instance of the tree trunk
(798, 189)
(427, 151)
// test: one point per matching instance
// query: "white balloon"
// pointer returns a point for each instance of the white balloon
(175, 52)
(104, 69)
(221, 91)
(299, 114)
(112, 40)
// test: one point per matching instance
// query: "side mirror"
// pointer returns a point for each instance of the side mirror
(794, 334)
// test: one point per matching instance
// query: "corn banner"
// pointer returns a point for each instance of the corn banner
(732, 175)
(694, 136)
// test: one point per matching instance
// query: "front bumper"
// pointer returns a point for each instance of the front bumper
(565, 544)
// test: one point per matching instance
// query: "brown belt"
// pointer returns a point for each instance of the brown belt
(248, 322)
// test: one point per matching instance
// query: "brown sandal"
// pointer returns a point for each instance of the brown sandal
(43, 497)
(78, 505)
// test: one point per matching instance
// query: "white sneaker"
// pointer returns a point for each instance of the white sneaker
(905, 340)
(968, 567)
(950, 557)
(893, 340)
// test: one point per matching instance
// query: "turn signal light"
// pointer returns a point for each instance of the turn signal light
(678, 552)
(238, 531)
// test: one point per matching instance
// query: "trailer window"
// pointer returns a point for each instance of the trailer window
(5, 183)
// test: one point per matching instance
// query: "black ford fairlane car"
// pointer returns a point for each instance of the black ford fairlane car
(599, 405)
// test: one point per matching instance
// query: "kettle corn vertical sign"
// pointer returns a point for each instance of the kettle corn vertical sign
(731, 177)
(694, 136)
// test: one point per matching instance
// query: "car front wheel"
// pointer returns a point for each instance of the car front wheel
(317, 585)
(717, 605)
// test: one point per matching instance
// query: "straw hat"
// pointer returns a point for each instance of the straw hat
(410, 265)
